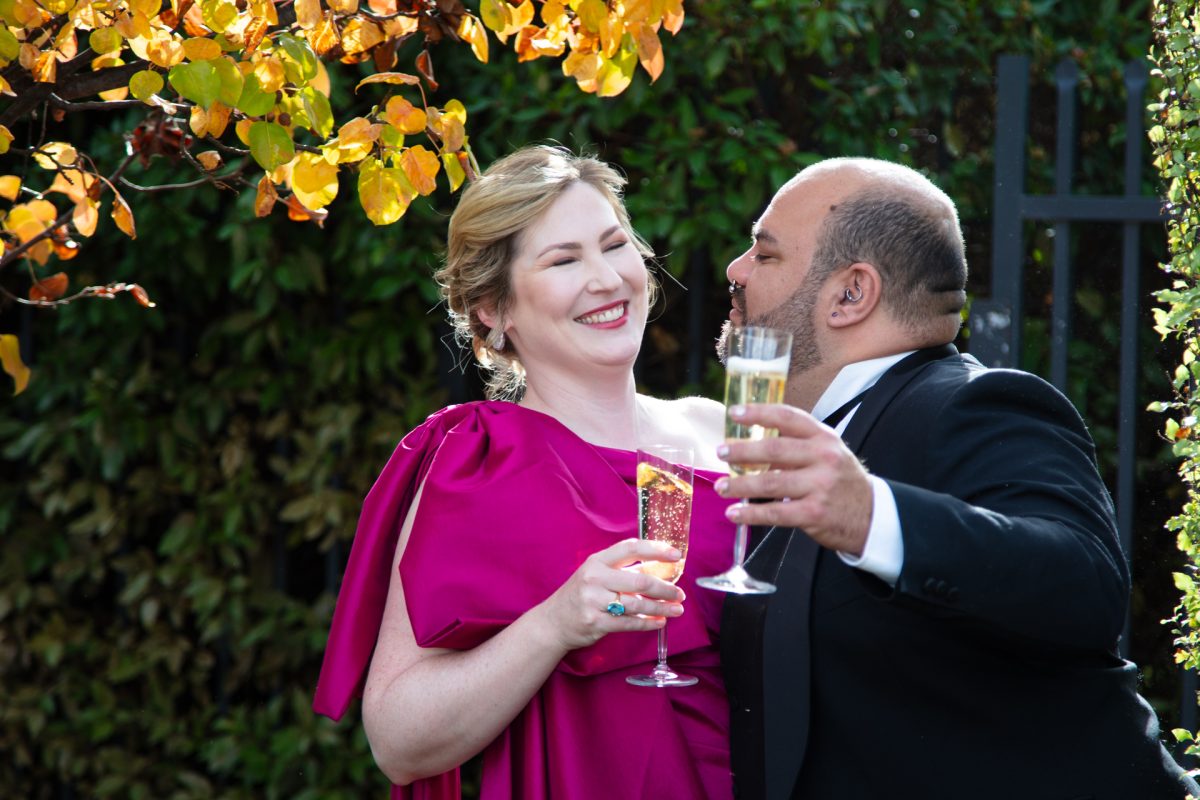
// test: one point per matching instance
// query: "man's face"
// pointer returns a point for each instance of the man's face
(776, 290)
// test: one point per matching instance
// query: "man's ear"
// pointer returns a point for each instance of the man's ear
(854, 294)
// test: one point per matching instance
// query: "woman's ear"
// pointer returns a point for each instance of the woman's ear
(857, 290)
(487, 316)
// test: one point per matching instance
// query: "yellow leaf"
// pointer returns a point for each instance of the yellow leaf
(86, 215)
(198, 121)
(164, 50)
(242, 129)
(454, 170)
(554, 12)
(673, 15)
(593, 14)
(145, 84)
(45, 69)
(581, 66)
(324, 37)
(320, 81)
(218, 119)
(470, 30)
(270, 74)
(74, 184)
(119, 93)
(10, 359)
(383, 191)
(522, 15)
(265, 197)
(404, 116)
(360, 35)
(66, 45)
(314, 181)
(6, 139)
(53, 155)
(29, 220)
(355, 140)
(308, 13)
(105, 40)
(10, 187)
(6, 88)
(495, 15)
(649, 50)
(200, 49)
(123, 216)
(27, 56)
(344, 6)
(421, 168)
(448, 127)
(209, 159)
(389, 77)
(456, 110)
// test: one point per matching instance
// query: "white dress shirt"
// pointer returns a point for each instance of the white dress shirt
(883, 554)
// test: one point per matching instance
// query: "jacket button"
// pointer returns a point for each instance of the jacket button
(930, 586)
(941, 589)
(952, 595)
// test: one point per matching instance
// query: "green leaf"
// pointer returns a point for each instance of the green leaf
(316, 108)
(9, 46)
(231, 81)
(271, 145)
(197, 81)
(299, 60)
(253, 101)
(145, 84)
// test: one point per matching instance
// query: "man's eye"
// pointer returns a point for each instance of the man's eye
(758, 258)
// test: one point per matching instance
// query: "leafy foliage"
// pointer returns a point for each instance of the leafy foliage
(1177, 157)
(233, 89)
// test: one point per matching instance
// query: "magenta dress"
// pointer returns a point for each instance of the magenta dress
(512, 505)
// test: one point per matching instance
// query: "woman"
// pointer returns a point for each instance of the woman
(483, 597)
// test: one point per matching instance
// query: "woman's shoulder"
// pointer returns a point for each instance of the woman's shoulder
(698, 420)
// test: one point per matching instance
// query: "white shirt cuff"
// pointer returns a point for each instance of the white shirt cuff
(883, 555)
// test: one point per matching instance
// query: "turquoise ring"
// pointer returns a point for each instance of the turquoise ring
(616, 607)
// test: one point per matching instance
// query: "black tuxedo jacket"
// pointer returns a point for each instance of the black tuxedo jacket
(990, 669)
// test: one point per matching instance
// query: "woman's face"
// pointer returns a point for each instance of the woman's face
(578, 288)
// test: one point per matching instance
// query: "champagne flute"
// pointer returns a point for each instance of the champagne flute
(664, 483)
(756, 369)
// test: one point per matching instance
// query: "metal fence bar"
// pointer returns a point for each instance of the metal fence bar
(1092, 208)
(1135, 88)
(1066, 76)
(995, 337)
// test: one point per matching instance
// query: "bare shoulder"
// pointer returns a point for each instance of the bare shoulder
(697, 422)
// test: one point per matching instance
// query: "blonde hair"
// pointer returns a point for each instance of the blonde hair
(484, 237)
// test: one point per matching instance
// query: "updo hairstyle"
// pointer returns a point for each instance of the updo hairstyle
(484, 237)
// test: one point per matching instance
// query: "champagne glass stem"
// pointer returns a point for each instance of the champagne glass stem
(739, 544)
(662, 647)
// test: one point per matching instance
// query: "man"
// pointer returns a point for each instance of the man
(950, 584)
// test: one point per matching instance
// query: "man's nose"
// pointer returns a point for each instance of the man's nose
(739, 269)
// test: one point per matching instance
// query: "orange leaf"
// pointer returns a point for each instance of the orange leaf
(298, 213)
(123, 216)
(389, 77)
(404, 116)
(10, 360)
(425, 67)
(66, 249)
(360, 35)
(255, 31)
(87, 214)
(325, 37)
(673, 16)
(140, 295)
(45, 69)
(209, 159)
(49, 288)
(10, 187)
(264, 199)
(649, 50)
(421, 168)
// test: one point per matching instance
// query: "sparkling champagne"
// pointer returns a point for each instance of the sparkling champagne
(749, 380)
(664, 512)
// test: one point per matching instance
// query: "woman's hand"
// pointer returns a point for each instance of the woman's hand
(576, 614)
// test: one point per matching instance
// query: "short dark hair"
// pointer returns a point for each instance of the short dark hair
(915, 244)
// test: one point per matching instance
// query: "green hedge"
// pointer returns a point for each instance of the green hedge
(177, 483)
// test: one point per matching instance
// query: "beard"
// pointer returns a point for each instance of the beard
(796, 315)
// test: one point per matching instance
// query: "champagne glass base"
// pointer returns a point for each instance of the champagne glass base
(662, 677)
(736, 580)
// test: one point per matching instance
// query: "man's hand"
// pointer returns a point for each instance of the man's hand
(816, 482)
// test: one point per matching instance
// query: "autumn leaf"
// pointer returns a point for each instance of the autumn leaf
(270, 144)
(10, 187)
(354, 141)
(123, 215)
(314, 181)
(86, 216)
(73, 183)
(165, 51)
(360, 35)
(471, 31)
(105, 40)
(270, 74)
(143, 85)
(649, 50)
(383, 191)
(308, 13)
(673, 15)
(201, 49)
(140, 295)
(421, 168)
(209, 159)
(29, 220)
(265, 197)
(6, 139)
(404, 116)
(45, 68)
(53, 155)
(454, 170)
(10, 359)
(389, 77)
(49, 288)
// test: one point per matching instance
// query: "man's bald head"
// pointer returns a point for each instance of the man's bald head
(896, 219)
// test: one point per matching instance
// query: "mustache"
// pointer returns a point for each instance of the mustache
(737, 296)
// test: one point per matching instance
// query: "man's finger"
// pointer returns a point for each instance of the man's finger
(788, 420)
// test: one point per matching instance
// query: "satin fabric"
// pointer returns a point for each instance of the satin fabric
(512, 504)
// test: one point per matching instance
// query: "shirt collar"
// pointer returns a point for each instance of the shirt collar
(852, 380)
